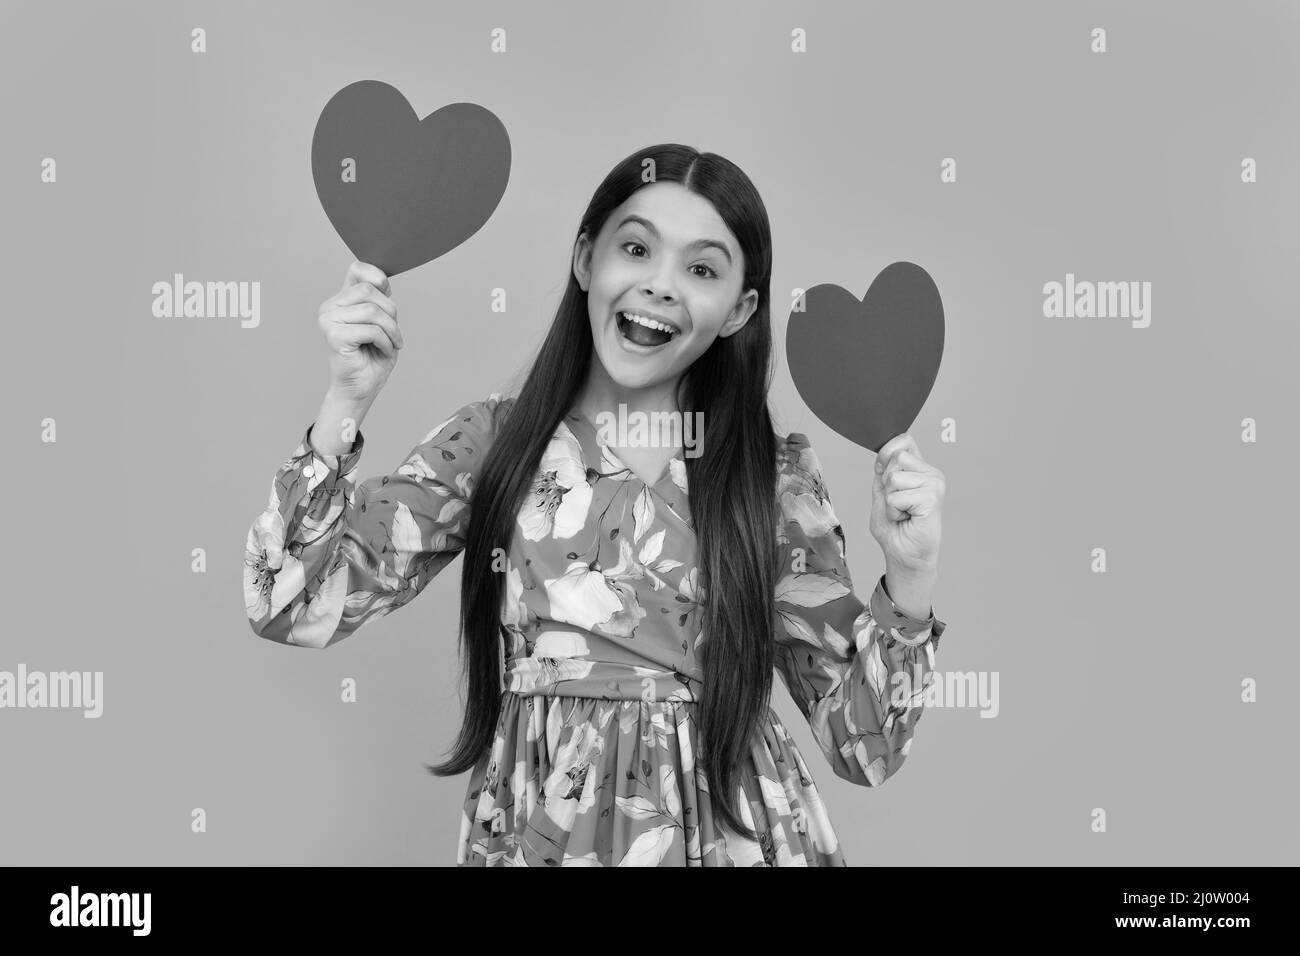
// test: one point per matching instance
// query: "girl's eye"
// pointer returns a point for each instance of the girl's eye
(712, 272)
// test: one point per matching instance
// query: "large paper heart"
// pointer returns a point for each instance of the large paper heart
(866, 368)
(422, 186)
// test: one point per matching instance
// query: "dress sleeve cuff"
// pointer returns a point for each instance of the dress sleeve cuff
(327, 470)
(902, 627)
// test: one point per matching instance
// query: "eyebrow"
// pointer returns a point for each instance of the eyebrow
(650, 227)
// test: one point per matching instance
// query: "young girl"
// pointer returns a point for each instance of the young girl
(629, 722)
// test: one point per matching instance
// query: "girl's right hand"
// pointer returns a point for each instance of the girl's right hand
(360, 326)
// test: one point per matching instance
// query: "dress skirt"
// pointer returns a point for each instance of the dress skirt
(585, 781)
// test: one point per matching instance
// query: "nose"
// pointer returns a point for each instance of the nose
(660, 282)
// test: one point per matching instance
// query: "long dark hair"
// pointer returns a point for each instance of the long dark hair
(731, 486)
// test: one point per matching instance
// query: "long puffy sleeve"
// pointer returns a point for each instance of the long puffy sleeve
(328, 555)
(856, 671)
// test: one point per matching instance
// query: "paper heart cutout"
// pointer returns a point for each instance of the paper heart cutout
(423, 186)
(865, 368)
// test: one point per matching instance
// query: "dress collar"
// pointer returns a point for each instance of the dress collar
(603, 458)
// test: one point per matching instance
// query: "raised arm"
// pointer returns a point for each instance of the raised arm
(856, 670)
(327, 555)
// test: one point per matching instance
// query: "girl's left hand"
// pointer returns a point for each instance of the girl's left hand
(906, 498)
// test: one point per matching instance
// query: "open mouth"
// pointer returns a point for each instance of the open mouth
(643, 331)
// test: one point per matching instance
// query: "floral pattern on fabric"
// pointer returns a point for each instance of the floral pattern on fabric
(595, 756)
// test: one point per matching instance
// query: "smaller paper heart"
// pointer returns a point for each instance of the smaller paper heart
(865, 368)
(422, 186)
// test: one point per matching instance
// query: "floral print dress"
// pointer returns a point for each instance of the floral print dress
(594, 761)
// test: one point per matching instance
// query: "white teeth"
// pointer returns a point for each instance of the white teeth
(648, 322)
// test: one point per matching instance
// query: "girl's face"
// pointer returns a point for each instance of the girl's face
(664, 254)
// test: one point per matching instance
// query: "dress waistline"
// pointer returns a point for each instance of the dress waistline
(607, 680)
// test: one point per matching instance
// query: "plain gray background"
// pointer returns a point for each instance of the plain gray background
(1118, 690)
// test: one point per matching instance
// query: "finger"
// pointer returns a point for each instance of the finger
(900, 479)
(904, 440)
(365, 292)
(349, 337)
(894, 484)
(365, 272)
(892, 513)
(365, 313)
(931, 477)
(890, 448)
(917, 502)
(352, 337)
(906, 459)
